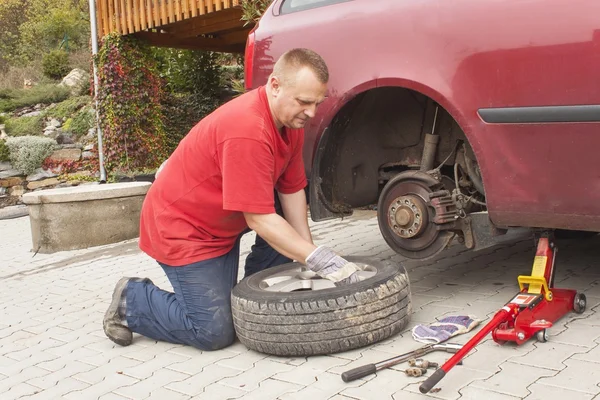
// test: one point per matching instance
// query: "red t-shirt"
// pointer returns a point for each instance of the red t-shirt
(229, 163)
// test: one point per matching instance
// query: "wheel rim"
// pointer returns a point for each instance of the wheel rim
(300, 279)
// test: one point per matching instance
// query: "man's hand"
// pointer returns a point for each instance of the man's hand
(325, 263)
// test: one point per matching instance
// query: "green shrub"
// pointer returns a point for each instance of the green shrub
(69, 107)
(40, 94)
(55, 64)
(2, 119)
(4, 152)
(28, 152)
(24, 126)
(82, 122)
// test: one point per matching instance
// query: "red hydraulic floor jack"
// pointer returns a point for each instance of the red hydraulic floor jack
(533, 310)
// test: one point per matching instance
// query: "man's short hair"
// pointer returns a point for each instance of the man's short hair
(295, 59)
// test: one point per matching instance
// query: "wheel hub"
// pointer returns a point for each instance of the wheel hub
(407, 216)
(415, 214)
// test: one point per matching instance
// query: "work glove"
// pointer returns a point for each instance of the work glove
(325, 263)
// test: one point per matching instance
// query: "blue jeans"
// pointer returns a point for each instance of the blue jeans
(198, 313)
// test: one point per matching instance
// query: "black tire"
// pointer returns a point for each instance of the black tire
(326, 321)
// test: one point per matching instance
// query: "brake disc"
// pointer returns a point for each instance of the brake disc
(411, 214)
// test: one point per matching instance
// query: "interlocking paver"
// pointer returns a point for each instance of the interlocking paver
(68, 370)
(243, 361)
(216, 391)
(520, 376)
(578, 334)
(473, 393)
(51, 333)
(23, 376)
(328, 385)
(105, 386)
(146, 386)
(19, 391)
(550, 355)
(250, 379)
(166, 394)
(310, 371)
(112, 396)
(114, 367)
(592, 355)
(194, 385)
(544, 392)
(148, 368)
(33, 348)
(581, 376)
(201, 360)
(63, 387)
(271, 389)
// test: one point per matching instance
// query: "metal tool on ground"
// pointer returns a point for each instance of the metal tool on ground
(533, 310)
(415, 371)
(419, 363)
(368, 369)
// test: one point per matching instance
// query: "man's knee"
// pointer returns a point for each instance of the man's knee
(219, 334)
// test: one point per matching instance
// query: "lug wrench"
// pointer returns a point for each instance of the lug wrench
(368, 369)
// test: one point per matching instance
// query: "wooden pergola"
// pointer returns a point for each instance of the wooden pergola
(214, 25)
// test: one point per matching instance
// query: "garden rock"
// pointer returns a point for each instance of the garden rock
(17, 190)
(91, 133)
(5, 166)
(49, 131)
(88, 147)
(42, 183)
(32, 114)
(55, 123)
(66, 155)
(63, 138)
(10, 182)
(71, 146)
(87, 154)
(40, 174)
(75, 80)
(10, 173)
(24, 111)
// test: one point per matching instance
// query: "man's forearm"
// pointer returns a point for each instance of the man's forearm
(280, 235)
(295, 213)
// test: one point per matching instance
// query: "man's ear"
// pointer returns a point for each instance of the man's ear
(275, 85)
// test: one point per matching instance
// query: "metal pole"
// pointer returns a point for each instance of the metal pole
(94, 33)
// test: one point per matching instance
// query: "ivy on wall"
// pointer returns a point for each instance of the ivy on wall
(130, 94)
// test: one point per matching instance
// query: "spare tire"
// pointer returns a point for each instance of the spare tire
(287, 311)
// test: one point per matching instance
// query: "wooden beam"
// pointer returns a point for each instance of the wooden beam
(130, 16)
(149, 13)
(163, 12)
(136, 16)
(177, 9)
(142, 16)
(123, 17)
(171, 11)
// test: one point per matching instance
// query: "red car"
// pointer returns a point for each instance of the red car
(458, 119)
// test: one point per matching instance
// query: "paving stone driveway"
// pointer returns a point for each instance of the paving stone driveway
(52, 345)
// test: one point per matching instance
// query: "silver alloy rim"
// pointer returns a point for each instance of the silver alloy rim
(302, 279)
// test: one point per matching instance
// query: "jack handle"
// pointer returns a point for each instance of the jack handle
(368, 369)
(502, 315)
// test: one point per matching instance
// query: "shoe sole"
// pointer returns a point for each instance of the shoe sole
(113, 309)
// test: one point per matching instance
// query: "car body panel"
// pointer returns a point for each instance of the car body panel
(469, 55)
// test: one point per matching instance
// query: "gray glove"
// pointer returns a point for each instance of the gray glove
(325, 263)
